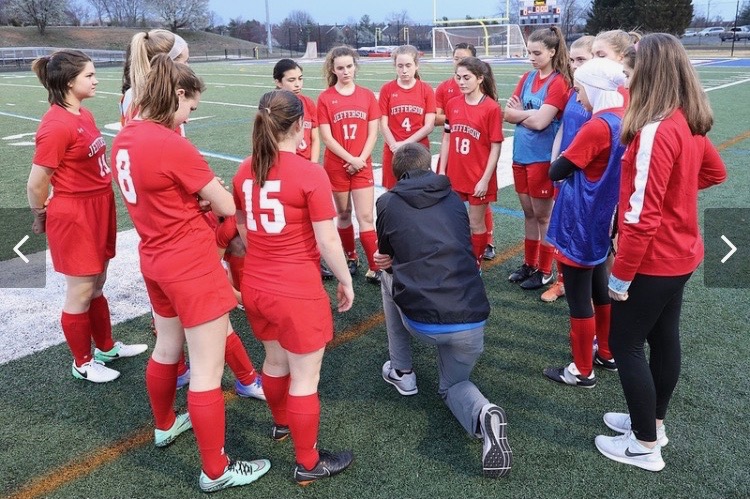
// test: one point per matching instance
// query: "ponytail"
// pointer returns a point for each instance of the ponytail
(277, 112)
(57, 70)
(143, 47)
(159, 100)
(552, 38)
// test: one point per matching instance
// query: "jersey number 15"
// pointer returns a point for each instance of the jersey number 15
(271, 225)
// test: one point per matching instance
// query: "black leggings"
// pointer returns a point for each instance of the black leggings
(583, 285)
(651, 313)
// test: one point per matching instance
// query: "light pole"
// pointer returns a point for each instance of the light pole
(268, 30)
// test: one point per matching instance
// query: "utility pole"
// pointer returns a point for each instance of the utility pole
(268, 30)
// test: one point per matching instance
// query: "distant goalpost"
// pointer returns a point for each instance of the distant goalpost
(490, 40)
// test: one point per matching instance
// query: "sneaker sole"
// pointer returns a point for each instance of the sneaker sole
(661, 441)
(558, 379)
(398, 388)
(497, 462)
(228, 484)
(645, 465)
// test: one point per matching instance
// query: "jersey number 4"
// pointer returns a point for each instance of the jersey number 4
(271, 225)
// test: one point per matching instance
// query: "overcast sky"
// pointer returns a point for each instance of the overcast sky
(419, 11)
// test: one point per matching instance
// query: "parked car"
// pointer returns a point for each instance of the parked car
(713, 30)
(738, 33)
(689, 33)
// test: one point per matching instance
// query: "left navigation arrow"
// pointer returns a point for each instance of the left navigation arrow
(18, 251)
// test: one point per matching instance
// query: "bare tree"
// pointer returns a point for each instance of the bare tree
(572, 15)
(181, 13)
(40, 13)
(77, 13)
(120, 12)
(398, 18)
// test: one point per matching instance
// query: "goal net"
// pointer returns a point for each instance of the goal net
(490, 40)
(312, 51)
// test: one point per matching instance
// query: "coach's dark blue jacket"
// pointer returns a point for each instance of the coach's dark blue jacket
(422, 224)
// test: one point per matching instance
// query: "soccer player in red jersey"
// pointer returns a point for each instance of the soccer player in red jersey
(668, 160)
(143, 47)
(536, 109)
(79, 216)
(408, 107)
(445, 92)
(348, 115)
(288, 76)
(286, 214)
(589, 176)
(160, 174)
(470, 149)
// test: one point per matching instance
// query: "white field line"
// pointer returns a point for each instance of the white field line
(31, 317)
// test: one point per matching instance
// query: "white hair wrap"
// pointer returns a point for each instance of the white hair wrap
(178, 47)
(601, 78)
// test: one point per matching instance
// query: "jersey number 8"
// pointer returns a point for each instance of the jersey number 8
(122, 163)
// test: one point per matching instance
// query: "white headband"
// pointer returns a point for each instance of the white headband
(178, 47)
(601, 73)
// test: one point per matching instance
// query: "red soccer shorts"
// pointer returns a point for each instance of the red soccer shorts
(195, 301)
(341, 181)
(299, 325)
(81, 233)
(533, 179)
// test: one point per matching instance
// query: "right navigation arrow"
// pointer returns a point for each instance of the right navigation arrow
(732, 247)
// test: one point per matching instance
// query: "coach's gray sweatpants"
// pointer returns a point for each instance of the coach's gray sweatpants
(457, 355)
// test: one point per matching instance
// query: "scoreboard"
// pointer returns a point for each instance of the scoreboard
(539, 12)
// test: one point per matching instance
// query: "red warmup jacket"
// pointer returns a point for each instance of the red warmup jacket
(662, 170)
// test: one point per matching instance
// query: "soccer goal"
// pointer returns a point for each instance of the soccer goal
(490, 40)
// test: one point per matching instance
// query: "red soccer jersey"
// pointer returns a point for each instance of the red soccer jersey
(406, 108)
(279, 217)
(72, 146)
(662, 170)
(349, 117)
(557, 92)
(473, 129)
(445, 92)
(159, 173)
(309, 121)
(591, 146)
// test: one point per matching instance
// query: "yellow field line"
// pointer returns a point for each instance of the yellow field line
(735, 140)
(83, 465)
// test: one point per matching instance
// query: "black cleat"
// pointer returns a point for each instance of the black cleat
(325, 272)
(280, 432)
(537, 280)
(522, 273)
(489, 252)
(609, 365)
(373, 276)
(329, 464)
(353, 266)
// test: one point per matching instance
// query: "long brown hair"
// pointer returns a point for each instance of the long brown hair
(663, 81)
(159, 100)
(277, 112)
(553, 39)
(57, 70)
(328, 68)
(479, 68)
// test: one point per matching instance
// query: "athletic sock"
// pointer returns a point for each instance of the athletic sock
(545, 258)
(347, 241)
(209, 423)
(531, 252)
(161, 385)
(602, 314)
(77, 331)
(276, 390)
(582, 333)
(101, 324)
(369, 240)
(304, 420)
(488, 224)
(559, 272)
(238, 360)
(478, 244)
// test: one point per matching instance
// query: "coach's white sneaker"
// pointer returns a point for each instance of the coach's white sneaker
(620, 422)
(626, 449)
(120, 351)
(94, 371)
